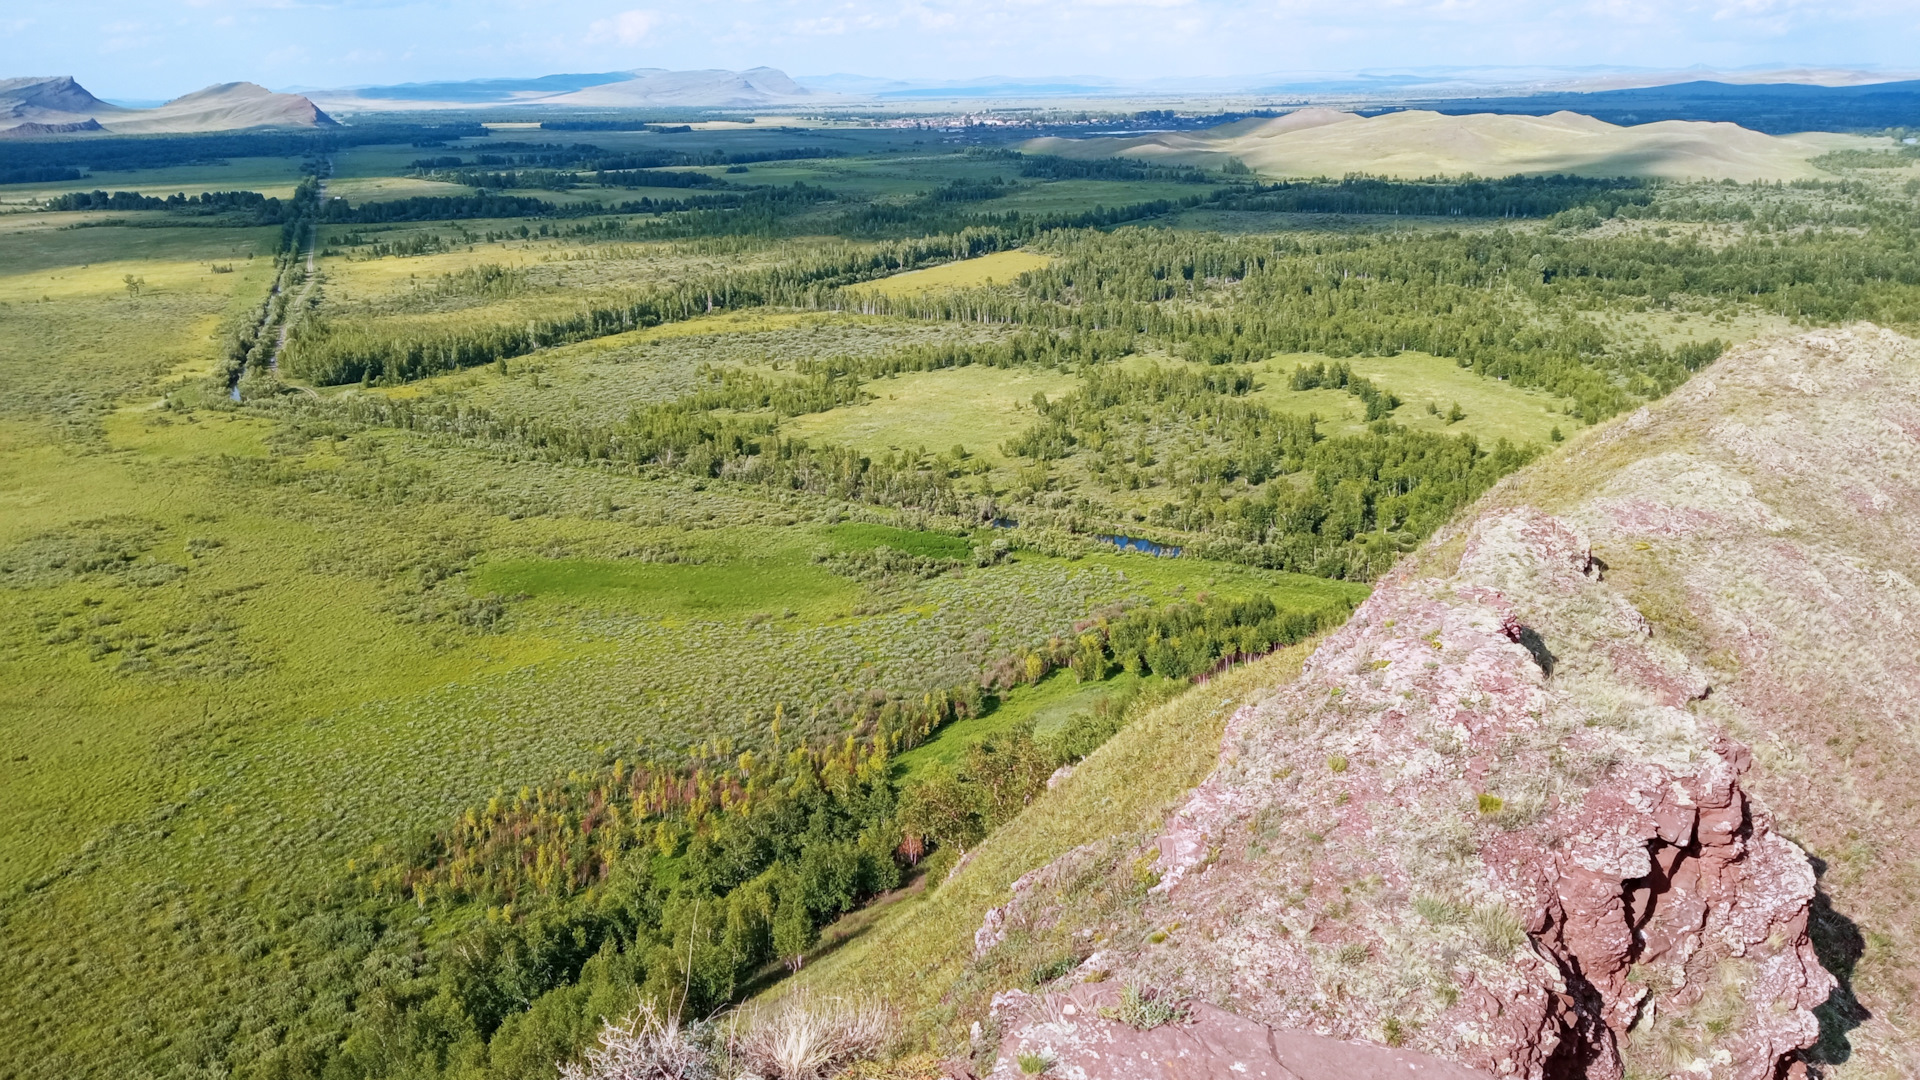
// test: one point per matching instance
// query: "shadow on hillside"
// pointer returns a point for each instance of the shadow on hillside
(841, 932)
(1839, 944)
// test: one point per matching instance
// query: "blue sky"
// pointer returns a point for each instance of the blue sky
(131, 49)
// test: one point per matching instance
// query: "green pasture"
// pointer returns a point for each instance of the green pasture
(242, 647)
(604, 380)
(1047, 706)
(272, 176)
(1494, 409)
(731, 587)
(37, 252)
(975, 407)
(999, 268)
(866, 536)
(364, 189)
(1067, 196)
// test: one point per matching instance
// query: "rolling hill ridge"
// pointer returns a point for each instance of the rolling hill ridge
(1327, 142)
(59, 105)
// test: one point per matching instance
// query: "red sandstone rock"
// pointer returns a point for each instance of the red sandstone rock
(1501, 816)
(1074, 1033)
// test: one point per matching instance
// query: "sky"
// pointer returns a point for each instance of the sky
(153, 49)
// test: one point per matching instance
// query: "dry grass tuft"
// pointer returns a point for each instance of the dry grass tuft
(644, 1046)
(806, 1037)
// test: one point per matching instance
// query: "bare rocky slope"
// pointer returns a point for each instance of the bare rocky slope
(61, 106)
(1613, 777)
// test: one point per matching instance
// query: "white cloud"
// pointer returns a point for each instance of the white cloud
(627, 28)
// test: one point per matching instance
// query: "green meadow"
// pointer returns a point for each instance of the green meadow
(781, 499)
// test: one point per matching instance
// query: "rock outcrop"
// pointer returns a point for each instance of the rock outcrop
(1079, 1035)
(1509, 817)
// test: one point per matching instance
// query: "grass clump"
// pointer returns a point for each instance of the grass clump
(1497, 929)
(1143, 1009)
(1438, 910)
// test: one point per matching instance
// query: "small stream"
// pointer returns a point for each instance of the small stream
(1138, 543)
(1124, 543)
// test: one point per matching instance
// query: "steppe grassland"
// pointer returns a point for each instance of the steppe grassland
(268, 683)
(975, 407)
(77, 332)
(387, 188)
(603, 380)
(1001, 268)
(1494, 409)
(44, 254)
(275, 177)
(329, 636)
(980, 408)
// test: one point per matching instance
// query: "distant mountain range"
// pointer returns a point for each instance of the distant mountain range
(1413, 143)
(1422, 83)
(1775, 108)
(653, 88)
(58, 105)
(1773, 100)
(1799, 99)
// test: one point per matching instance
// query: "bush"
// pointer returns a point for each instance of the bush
(644, 1046)
(807, 1038)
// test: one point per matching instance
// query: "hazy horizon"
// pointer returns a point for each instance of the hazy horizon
(155, 51)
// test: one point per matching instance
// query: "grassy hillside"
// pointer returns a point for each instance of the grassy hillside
(920, 952)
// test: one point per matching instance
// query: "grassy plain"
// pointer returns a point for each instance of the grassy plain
(978, 408)
(1000, 268)
(1494, 410)
(272, 176)
(243, 646)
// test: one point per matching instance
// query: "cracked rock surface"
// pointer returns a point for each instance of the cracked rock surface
(1506, 821)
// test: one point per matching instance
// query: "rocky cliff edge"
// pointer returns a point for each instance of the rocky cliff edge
(1507, 820)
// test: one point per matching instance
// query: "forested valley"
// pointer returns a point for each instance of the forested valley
(517, 581)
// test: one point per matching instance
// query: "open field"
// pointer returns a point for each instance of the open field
(275, 176)
(977, 408)
(715, 512)
(1000, 268)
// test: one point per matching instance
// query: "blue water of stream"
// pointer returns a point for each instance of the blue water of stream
(1135, 543)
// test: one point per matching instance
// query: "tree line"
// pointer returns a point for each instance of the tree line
(491, 946)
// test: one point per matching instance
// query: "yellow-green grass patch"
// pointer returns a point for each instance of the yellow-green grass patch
(999, 268)
(388, 188)
(1494, 409)
(1047, 705)
(68, 262)
(866, 536)
(975, 407)
(275, 177)
(716, 589)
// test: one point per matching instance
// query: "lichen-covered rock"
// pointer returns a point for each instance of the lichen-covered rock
(1078, 1034)
(1507, 815)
